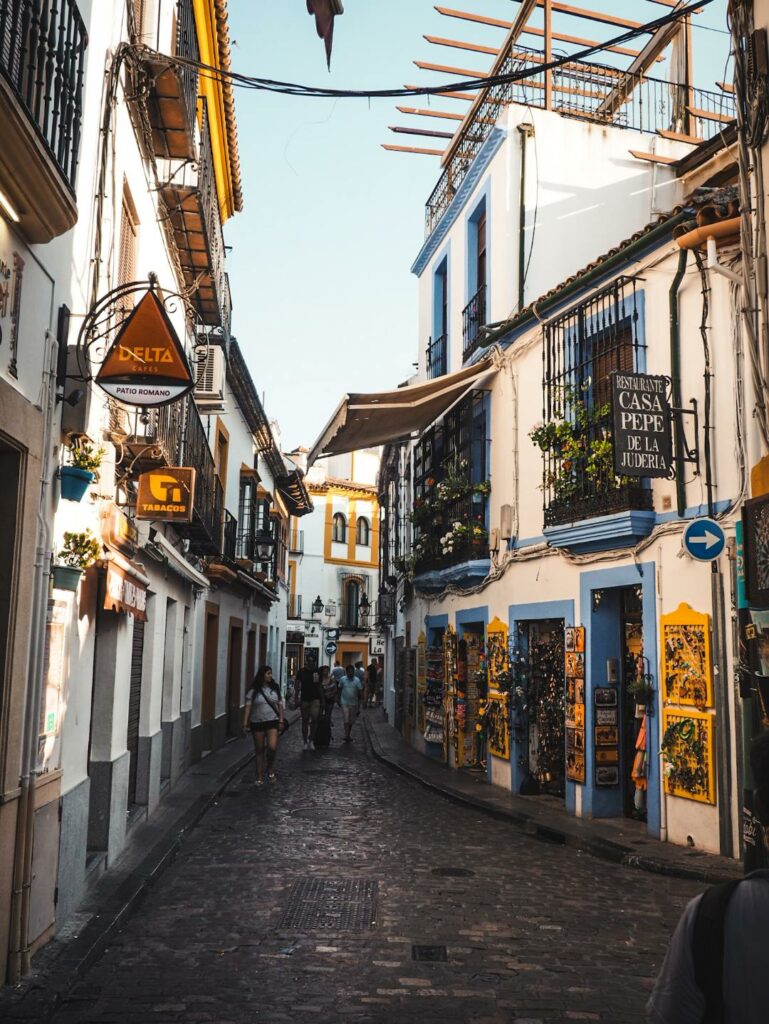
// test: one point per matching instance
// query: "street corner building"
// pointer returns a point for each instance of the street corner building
(572, 494)
(143, 548)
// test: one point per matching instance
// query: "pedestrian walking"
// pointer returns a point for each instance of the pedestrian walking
(349, 697)
(372, 694)
(311, 693)
(360, 672)
(330, 691)
(337, 673)
(714, 969)
(264, 718)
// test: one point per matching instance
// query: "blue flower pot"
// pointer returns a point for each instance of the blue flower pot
(74, 482)
(66, 577)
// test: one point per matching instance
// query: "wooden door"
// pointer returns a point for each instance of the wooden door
(134, 707)
(210, 659)
(234, 676)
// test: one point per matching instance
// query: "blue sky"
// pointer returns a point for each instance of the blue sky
(324, 302)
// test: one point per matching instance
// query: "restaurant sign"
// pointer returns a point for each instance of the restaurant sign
(125, 593)
(643, 443)
(146, 364)
(166, 494)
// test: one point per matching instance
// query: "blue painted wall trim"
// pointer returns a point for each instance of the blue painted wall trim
(599, 803)
(623, 529)
(442, 267)
(455, 207)
(482, 205)
(532, 612)
(472, 616)
(468, 573)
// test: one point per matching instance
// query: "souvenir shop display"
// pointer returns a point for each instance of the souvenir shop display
(497, 731)
(421, 680)
(432, 699)
(450, 667)
(687, 751)
(606, 736)
(497, 717)
(547, 705)
(574, 658)
(469, 681)
(686, 672)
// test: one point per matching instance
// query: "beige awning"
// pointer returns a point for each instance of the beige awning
(368, 420)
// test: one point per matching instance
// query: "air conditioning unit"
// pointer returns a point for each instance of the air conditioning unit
(210, 371)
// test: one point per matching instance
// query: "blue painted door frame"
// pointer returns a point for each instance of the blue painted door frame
(474, 617)
(520, 614)
(602, 642)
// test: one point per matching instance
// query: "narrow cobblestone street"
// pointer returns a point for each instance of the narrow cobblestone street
(533, 932)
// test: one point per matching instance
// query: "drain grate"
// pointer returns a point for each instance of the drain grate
(340, 905)
(429, 954)
(322, 813)
(453, 872)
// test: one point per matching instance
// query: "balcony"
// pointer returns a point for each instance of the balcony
(469, 539)
(385, 609)
(193, 205)
(296, 542)
(172, 93)
(42, 57)
(589, 92)
(436, 357)
(473, 318)
(295, 606)
(229, 536)
(173, 435)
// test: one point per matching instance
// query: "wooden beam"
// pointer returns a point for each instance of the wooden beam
(726, 87)
(412, 149)
(710, 115)
(548, 53)
(531, 30)
(457, 44)
(581, 12)
(468, 96)
(658, 42)
(694, 140)
(420, 131)
(653, 158)
(426, 112)
(446, 70)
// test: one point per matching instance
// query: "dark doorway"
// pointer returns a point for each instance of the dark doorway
(543, 678)
(210, 658)
(262, 646)
(134, 707)
(234, 677)
(250, 656)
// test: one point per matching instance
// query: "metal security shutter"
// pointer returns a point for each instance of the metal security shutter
(134, 707)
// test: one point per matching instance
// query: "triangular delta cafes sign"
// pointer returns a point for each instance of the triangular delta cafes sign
(146, 364)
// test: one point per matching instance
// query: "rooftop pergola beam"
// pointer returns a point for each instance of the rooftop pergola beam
(412, 149)
(658, 42)
(403, 130)
(466, 96)
(422, 112)
(582, 12)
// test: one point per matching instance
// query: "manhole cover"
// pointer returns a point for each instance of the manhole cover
(429, 954)
(453, 872)
(321, 904)
(321, 813)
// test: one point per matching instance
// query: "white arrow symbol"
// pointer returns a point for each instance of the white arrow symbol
(707, 538)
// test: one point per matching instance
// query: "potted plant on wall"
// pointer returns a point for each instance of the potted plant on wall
(77, 476)
(80, 550)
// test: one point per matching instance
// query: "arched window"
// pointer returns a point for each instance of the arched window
(339, 529)
(363, 532)
(351, 603)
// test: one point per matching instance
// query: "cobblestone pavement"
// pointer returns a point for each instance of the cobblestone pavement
(537, 933)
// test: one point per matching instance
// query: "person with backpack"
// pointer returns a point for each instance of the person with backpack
(263, 716)
(714, 969)
(311, 693)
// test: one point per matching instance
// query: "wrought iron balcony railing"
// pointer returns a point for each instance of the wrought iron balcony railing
(172, 92)
(205, 530)
(473, 318)
(436, 357)
(591, 92)
(42, 57)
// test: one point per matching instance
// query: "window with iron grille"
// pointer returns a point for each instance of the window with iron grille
(581, 350)
(247, 519)
(451, 488)
(363, 532)
(339, 528)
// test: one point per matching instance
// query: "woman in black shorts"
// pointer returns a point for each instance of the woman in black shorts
(263, 717)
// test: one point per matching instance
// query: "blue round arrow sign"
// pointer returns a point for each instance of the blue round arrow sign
(330, 648)
(704, 539)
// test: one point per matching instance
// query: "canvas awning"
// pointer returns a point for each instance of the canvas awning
(368, 420)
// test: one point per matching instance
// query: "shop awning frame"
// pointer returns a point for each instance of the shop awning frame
(383, 417)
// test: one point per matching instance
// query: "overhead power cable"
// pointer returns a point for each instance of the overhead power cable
(462, 85)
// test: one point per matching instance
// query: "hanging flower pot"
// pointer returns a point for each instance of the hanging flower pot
(74, 482)
(66, 577)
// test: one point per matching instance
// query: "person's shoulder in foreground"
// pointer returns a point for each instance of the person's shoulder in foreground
(677, 998)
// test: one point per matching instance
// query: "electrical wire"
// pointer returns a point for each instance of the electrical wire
(462, 85)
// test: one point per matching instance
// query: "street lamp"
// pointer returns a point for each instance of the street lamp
(264, 545)
(317, 605)
(364, 608)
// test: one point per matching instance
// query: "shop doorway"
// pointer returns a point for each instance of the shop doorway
(134, 707)
(542, 680)
(632, 716)
(234, 676)
(471, 690)
(210, 662)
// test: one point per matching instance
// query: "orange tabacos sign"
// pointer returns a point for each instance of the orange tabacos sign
(146, 364)
(166, 494)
